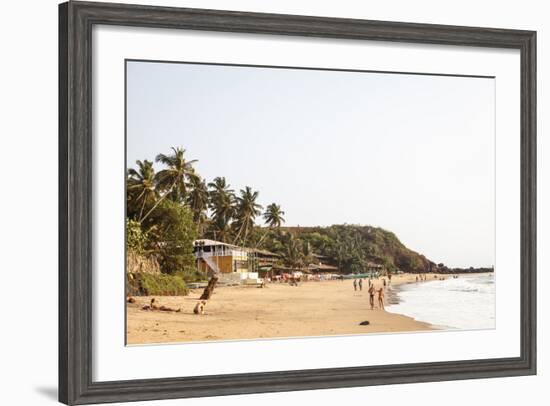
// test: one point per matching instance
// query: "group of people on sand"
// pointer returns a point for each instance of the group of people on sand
(358, 283)
(421, 277)
(372, 292)
(153, 306)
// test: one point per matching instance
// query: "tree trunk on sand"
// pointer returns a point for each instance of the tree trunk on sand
(209, 288)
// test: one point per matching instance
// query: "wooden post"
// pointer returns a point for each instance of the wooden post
(209, 288)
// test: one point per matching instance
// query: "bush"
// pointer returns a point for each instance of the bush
(135, 237)
(145, 284)
(171, 232)
(192, 275)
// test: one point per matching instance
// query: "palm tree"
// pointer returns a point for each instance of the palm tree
(173, 180)
(141, 186)
(197, 199)
(247, 210)
(222, 204)
(273, 217)
(292, 252)
(307, 253)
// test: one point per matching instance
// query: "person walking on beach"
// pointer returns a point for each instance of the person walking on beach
(371, 297)
(355, 284)
(381, 298)
(384, 281)
(360, 284)
(389, 279)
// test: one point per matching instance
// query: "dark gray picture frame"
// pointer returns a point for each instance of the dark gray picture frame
(76, 20)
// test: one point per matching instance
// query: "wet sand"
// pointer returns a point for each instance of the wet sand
(278, 310)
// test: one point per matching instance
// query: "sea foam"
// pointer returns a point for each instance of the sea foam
(465, 303)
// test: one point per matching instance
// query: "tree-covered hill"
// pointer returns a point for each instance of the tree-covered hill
(352, 247)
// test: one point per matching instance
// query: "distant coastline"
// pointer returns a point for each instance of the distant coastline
(467, 270)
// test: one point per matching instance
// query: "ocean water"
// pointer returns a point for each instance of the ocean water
(466, 303)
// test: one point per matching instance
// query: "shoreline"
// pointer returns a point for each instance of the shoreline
(314, 309)
(418, 310)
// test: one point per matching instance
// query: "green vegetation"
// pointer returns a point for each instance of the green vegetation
(170, 234)
(167, 210)
(147, 284)
(350, 247)
(246, 212)
(136, 240)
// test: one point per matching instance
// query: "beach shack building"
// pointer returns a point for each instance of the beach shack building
(313, 271)
(217, 257)
(321, 272)
(263, 261)
(374, 269)
(323, 269)
(319, 266)
(284, 273)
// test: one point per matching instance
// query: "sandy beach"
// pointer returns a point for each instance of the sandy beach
(278, 310)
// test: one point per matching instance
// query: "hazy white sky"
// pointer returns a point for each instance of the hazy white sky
(413, 154)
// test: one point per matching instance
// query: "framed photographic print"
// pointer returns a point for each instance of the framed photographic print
(258, 202)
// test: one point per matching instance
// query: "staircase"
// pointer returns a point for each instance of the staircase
(211, 264)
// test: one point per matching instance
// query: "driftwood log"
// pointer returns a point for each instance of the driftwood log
(209, 288)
